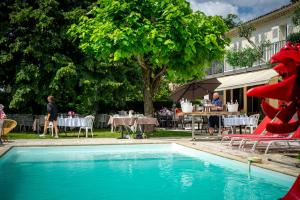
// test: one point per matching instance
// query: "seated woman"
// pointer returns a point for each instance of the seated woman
(213, 121)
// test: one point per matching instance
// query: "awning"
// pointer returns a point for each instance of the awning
(246, 79)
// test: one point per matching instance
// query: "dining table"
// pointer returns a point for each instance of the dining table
(62, 122)
(207, 114)
(134, 123)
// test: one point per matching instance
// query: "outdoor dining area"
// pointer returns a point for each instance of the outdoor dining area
(71, 123)
(198, 103)
(192, 110)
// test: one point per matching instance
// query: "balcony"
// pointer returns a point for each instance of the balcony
(219, 68)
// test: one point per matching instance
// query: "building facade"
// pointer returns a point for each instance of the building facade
(273, 27)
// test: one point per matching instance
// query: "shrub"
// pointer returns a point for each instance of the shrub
(294, 37)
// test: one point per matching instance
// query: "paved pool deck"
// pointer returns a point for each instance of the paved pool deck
(213, 147)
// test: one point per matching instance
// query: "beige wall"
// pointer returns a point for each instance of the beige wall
(264, 31)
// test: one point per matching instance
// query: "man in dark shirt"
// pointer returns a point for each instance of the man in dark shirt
(51, 116)
(214, 120)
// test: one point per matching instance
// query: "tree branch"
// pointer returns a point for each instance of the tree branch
(141, 62)
(157, 78)
(162, 71)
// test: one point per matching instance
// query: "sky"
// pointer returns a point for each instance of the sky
(245, 9)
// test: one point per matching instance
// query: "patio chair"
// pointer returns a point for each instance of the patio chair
(123, 113)
(293, 137)
(265, 134)
(162, 120)
(25, 121)
(260, 130)
(40, 122)
(253, 122)
(175, 120)
(272, 138)
(186, 120)
(87, 124)
(50, 127)
(7, 126)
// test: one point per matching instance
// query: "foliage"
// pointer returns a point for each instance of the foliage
(163, 92)
(242, 58)
(296, 17)
(294, 37)
(232, 21)
(37, 59)
(246, 56)
(246, 30)
(161, 37)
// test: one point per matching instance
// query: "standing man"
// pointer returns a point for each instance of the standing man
(214, 120)
(51, 116)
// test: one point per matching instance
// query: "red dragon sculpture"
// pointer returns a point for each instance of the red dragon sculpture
(287, 91)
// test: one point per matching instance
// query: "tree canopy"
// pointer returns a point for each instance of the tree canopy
(232, 21)
(161, 37)
(37, 58)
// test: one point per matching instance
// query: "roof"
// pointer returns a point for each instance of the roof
(246, 79)
(273, 11)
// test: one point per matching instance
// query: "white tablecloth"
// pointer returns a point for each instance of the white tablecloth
(72, 122)
(238, 121)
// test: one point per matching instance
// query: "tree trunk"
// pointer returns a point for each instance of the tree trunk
(148, 93)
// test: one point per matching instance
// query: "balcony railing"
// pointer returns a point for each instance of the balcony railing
(219, 67)
(269, 51)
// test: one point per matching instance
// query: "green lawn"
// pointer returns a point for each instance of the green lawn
(99, 133)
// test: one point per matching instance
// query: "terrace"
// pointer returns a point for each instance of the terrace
(101, 101)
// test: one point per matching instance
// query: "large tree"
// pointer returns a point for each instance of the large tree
(37, 58)
(163, 37)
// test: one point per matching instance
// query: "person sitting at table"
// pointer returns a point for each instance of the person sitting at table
(51, 116)
(2, 113)
(213, 121)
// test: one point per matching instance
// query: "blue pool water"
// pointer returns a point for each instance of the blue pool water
(133, 172)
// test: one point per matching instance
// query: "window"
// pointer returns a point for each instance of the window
(275, 33)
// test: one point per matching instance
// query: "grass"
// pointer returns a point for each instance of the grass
(99, 133)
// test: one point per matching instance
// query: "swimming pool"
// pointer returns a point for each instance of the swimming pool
(150, 171)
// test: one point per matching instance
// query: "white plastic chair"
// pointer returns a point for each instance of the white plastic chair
(50, 127)
(87, 125)
(253, 123)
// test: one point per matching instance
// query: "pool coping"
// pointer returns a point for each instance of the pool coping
(189, 144)
(245, 161)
